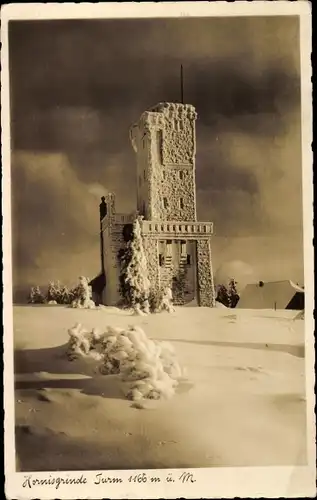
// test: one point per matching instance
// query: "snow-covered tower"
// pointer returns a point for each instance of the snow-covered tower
(178, 247)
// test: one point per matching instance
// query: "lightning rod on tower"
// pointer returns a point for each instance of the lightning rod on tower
(182, 85)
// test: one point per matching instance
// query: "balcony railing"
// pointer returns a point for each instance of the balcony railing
(175, 229)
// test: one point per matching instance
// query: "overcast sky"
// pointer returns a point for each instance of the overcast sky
(76, 88)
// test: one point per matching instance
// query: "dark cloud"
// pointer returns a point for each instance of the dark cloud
(77, 86)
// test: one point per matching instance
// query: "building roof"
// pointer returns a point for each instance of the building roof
(271, 295)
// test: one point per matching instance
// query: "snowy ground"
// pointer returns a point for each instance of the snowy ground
(242, 405)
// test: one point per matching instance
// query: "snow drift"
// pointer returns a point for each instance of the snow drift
(148, 368)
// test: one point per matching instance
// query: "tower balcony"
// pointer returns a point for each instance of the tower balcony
(177, 230)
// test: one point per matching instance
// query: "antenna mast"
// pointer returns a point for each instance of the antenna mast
(182, 85)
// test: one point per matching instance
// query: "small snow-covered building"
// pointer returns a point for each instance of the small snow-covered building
(272, 295)
(177, 245)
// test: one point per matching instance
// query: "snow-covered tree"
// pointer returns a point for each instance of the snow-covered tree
(233, 295)
(82, 295)
(228, 294)
(59, 293)
(53, 292)
(36, 296)
(222, 295)
(124, 258)
(136, 275)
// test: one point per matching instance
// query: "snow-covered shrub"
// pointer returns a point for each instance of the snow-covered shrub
(148, 368)
(36, 296)
(228, 294)
(162, 300)
(82, 296)
(167, 300)
(155, 298)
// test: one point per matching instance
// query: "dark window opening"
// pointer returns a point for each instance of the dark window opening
(144, 175)
(160, 145)
(161, 260)
(181, 175)
(127, 232)
(181, 203)
(188, 260)
(165, 202)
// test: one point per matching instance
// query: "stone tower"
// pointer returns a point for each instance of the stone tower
(164, 140)
(177, 246)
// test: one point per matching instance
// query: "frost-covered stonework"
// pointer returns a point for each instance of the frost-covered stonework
(205, 274)
(148, 369)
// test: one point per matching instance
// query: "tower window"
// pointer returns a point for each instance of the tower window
(161, 260)
(188, 260)
(160, 145)
(169, 249)
(165, 202)
(164, 174)
(181, 203)
(144, 175)
(181, 175)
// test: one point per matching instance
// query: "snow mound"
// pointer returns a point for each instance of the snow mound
(148, 368)
(219, 305)
(300, 315)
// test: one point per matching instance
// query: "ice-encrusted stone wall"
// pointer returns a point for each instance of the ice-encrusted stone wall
(178, 187)
(205, 274)
(165, 145)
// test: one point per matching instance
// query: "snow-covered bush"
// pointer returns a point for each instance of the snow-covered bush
(162, 300)
(228, 294)
(167, 300)
(148, 368)
(82, 295)
(36, 296)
